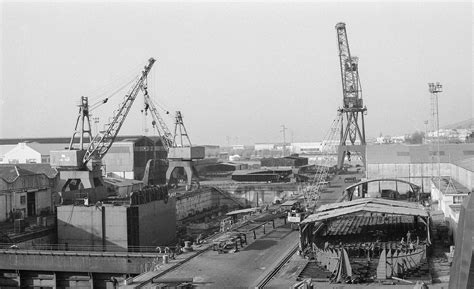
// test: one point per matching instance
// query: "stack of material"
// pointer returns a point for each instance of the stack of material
(291, 161)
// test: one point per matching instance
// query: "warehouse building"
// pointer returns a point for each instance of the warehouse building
(126, 158)
(26, 190)
(418, 164)
(293, 161)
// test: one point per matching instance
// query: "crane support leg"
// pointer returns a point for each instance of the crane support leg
(342, 152)
(188, 167)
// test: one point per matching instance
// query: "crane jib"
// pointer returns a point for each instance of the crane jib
(102, 142)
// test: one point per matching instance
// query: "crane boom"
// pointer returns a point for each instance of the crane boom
(104, 140)
(158, 121)
(351, 88)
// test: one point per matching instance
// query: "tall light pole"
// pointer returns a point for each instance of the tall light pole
(434, 89)
(426, 131)
(283, 129)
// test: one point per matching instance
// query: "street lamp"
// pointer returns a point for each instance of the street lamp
(434, 89)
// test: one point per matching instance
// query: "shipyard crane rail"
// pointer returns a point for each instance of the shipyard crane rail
(102, 142)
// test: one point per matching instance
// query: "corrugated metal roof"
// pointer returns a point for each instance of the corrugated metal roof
(45, 148)
(450, 186)
(290, 203)
(467, 164)
(365, 205)
(369, 200)
(122, 182)
(10, 172)
(64, 140)
(243, 211)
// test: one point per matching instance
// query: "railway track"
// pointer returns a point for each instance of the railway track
(265, 279)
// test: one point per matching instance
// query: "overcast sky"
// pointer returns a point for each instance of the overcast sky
(235, 70)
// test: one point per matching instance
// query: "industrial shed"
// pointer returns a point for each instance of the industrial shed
(270, 176)
(290, 161)
(26, 190)
(418, 163)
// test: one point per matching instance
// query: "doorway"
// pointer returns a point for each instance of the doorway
(31, 204)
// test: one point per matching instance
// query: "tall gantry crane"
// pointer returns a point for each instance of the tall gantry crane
(183, 155)
(181, 152)
(352, 111)
(81, 167)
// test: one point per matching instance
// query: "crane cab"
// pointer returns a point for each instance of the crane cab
(295, 212)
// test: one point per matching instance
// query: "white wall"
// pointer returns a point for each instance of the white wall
(125, 175)
(264, 146)
(306, 147)
(43, 200)
(22, 154)
(3, 206)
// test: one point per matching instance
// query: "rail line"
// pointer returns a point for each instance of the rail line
(268, 276)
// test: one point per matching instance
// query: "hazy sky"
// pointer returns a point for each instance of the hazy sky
(237, 70)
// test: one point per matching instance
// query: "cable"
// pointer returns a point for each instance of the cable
(105, 100)
(96, 93)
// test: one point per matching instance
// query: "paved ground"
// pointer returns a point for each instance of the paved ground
(241, 269)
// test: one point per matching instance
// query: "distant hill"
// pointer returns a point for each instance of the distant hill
(467, 124)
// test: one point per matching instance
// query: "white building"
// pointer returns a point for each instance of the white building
(449, 196)
(265, 146)
(30, 153)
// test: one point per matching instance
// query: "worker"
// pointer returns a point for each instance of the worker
(199, 239)
(408, 237)
(178, 248)
(114, 282)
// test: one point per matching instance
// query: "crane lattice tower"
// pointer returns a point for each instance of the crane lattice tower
(352, 135)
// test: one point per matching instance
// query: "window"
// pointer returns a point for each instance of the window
(458, 199)
(31, 161)
(22, 200)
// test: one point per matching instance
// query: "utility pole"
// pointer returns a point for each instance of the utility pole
(426, 130)
(283, 130)
(434, 89)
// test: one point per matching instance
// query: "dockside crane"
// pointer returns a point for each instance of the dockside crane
(81, 167)
(181, 152)
(347, 121)
(353, 109)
